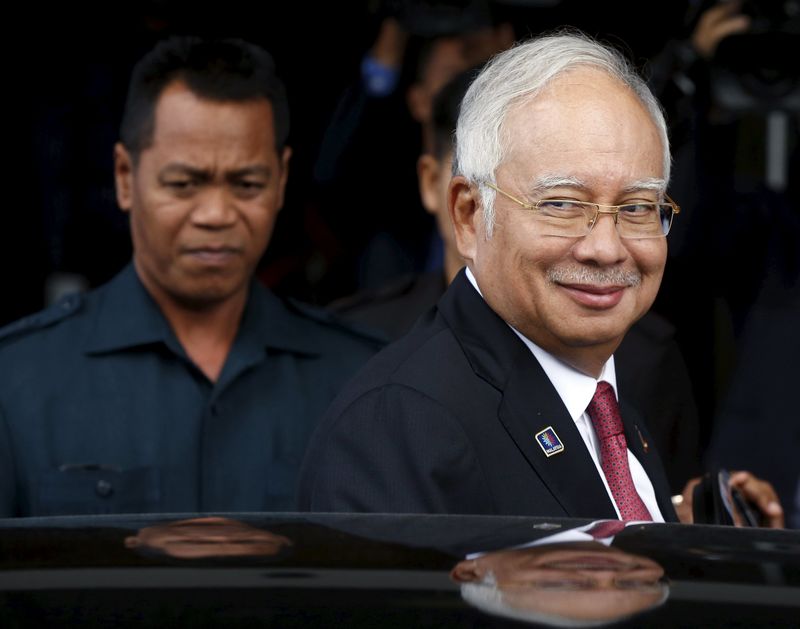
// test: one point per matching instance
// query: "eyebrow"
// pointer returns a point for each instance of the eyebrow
(260, 171)
(651, 183)
(548, 182)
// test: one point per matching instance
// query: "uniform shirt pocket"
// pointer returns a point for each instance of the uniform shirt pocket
(77, 489)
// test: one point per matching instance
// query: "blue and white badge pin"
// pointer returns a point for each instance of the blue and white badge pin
(549, 442)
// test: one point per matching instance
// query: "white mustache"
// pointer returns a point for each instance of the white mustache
(595, 277)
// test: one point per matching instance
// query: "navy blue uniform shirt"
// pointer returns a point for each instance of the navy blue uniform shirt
(102, 411)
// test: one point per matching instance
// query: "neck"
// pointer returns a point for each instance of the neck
(453, 263)
(208, 335)
(206, 332)
(592, 365)
(588, 360)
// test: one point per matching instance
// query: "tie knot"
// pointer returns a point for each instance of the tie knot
(604, 411)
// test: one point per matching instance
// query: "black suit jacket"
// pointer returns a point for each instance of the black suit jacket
(443, 421)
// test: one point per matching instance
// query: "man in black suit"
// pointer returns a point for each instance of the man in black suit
(649, 363)
(495, 402)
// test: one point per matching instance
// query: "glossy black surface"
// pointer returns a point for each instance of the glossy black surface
(355, 571)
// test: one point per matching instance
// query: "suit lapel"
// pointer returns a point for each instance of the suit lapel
(642, 446)
(529, 405)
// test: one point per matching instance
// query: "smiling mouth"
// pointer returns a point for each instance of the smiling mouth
(595, 297)
(604, 289)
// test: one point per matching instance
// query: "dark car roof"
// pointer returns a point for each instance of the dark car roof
(359, 570)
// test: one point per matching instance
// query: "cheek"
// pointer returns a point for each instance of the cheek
(155, 215)
(650, 262)
(143, 231)
(260, 220)
(156, 225)
(519, 263)
(650, 257)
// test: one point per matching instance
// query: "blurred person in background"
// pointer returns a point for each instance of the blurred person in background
(382, 124)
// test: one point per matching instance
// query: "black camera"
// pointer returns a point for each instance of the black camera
(435, 18)
(758, 70)
(772, 16)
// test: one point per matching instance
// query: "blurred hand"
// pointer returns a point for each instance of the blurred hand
(759, 493)
(390, 46)
(717, 23)
(683, 502)
(762, 495)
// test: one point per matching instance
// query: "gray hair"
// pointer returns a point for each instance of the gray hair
(523, 72)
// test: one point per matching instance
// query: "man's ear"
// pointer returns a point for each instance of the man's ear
(464, 205)
(429, 173)
(123, 177)
(285, 156)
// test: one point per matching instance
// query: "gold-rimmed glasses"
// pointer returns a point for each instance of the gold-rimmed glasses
(575, 219)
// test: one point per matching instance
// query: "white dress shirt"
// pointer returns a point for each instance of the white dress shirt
(576, 390)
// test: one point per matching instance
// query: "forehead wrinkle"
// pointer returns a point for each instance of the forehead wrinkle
(244, 171)
(180, 167)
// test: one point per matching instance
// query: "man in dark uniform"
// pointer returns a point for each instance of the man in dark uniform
(182, 385)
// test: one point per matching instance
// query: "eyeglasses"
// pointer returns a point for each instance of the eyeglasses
(575, 219)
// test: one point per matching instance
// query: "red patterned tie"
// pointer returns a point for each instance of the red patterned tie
(607, 422)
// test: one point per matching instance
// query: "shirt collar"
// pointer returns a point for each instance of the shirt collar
(271, 323)
(575, 388)
(127, 317)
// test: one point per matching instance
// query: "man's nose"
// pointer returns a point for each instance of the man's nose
(215, 209)
(602, 245)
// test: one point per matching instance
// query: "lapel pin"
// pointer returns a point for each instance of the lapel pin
(645, 445)
(549, 442)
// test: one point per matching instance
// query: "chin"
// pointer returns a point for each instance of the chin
(595, 337)
(208, 296)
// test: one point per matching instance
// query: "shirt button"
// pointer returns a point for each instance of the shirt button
(103, 488)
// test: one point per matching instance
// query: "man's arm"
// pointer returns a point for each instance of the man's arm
(392, 450)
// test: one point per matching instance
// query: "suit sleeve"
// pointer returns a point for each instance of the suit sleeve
(392, 450)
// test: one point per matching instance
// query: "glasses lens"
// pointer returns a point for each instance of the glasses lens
(667, 212)
(559, 217)
(644, 220)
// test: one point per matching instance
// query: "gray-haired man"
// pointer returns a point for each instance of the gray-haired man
(504, 399)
